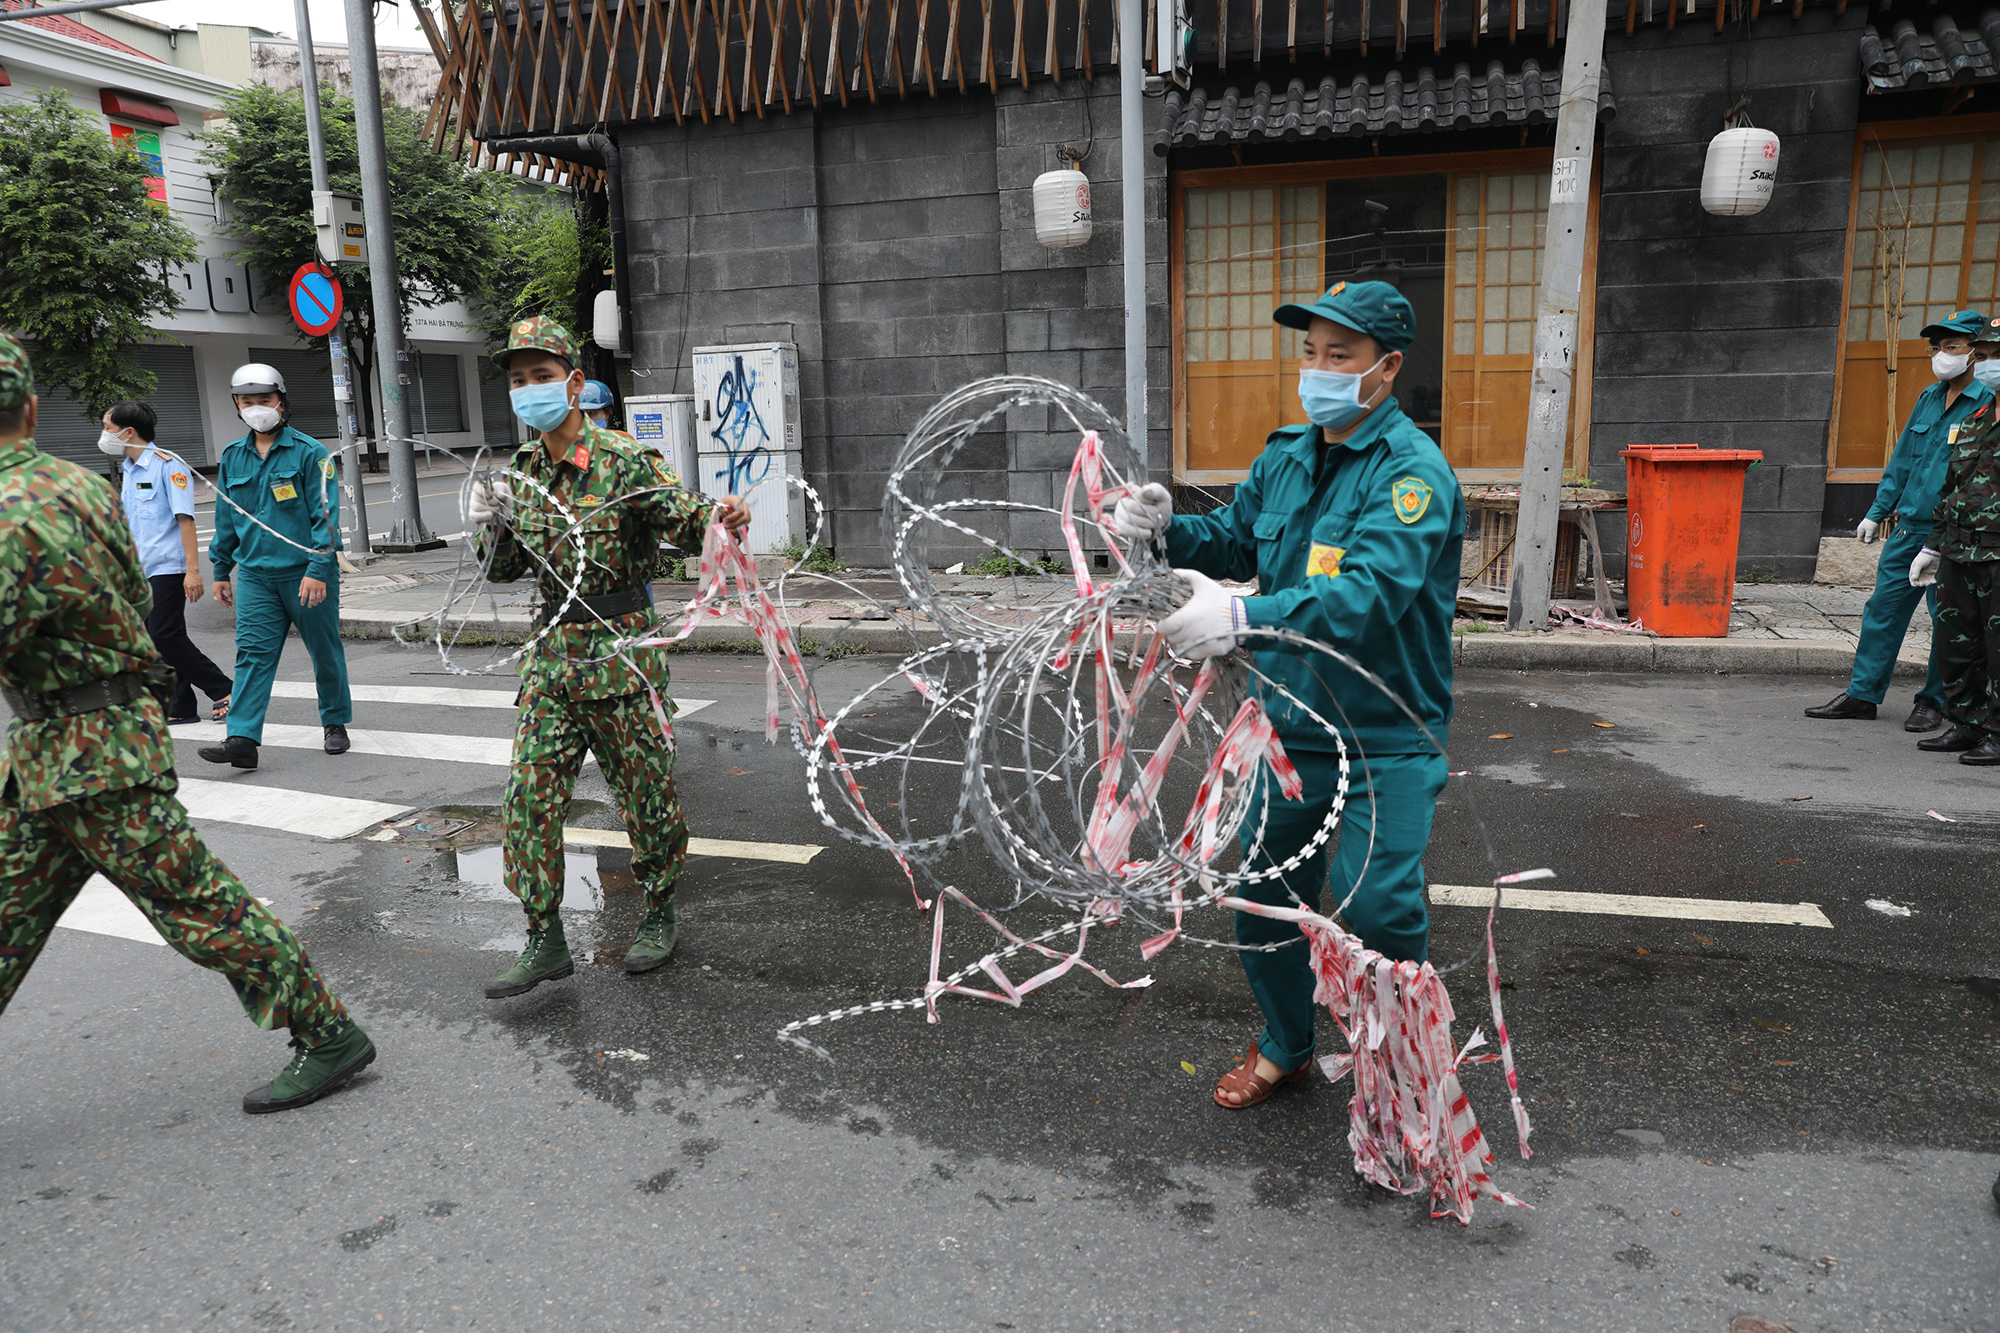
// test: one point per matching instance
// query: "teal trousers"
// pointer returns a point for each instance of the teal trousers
(1886, 619)
(1384, 829)
(266, 606)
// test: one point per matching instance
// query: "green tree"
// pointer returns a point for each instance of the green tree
(83, 251)
(448, 234)
(540, 261)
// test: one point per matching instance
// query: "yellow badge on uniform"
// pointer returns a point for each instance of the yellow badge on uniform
(326, 468)
(663, 472)
(180, 479)
(1952, 437)
(284, 490)
(1411, 496)
(589, 501)
(1324, 561)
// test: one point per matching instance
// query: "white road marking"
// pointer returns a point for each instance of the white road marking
(102, 910)
(493, 750)
(310, 813)
(793, 853)
(1629, 904)
(444, 695)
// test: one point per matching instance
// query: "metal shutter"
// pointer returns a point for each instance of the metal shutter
(499, 410)
(438, 407)
(308, 386)
(67, 428)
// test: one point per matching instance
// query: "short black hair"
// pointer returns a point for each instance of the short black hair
(135, 416)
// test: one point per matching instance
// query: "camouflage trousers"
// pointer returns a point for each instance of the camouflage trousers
(1968, 641)
(140, 839)
(638, 762)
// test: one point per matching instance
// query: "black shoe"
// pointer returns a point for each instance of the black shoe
(239, 751)
(336, 739)
(1843, 706)
(1923, 718)
(1984, 754)
(1958, 738)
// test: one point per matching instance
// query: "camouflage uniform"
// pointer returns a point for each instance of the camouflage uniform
(570, 703)
(94, 791)
(1966, 536)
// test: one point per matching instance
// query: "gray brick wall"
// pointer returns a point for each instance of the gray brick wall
(1722, 331)
(895, 244)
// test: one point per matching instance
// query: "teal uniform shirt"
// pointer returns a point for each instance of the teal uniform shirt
(1915, 475)
(292, 489)
(1356, 545)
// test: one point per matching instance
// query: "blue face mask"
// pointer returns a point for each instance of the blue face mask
(542, 406)
(1987, 373)
(1332, 398)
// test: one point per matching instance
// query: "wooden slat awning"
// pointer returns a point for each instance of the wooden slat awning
(538, 67)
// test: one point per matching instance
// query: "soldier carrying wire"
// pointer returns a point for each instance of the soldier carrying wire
(88, 767)
(586, 516)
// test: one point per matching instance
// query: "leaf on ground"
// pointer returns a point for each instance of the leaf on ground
(1703, 939)
(1792, 861)
(1189, 1066)
(1501, 736)
(1604, 724)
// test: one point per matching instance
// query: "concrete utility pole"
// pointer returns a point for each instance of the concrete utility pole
(407, 532)
(353, 502)
(1556, 321)
(1132, 196)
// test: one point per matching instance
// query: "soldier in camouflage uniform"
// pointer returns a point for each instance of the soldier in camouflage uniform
(581, 489)
(1963, 559)
(88, 767)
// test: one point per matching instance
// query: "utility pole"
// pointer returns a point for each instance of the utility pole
(407, 531)
(1132, 197)
(354, 503)
(1556, 315)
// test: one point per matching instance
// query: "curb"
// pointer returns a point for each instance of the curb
(1512, 650)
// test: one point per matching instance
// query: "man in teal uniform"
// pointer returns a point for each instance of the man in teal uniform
(278, 571)
(1909, 490)
(1352, 528)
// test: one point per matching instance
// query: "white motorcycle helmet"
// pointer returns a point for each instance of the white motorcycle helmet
(256, 378)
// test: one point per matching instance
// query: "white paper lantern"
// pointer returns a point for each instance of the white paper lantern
(1741, 171)
(1062, 209)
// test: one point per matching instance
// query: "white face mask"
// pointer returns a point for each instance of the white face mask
(261, 419)
(1987, 373)
(113, 445)
(1949, 365)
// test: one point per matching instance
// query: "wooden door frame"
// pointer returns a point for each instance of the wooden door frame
(1296, 173)
(1880, 132)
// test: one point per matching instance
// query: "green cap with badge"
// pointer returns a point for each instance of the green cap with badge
(1991, 334)
(1963, 323)
(1373, 308)
(17, 377)
(540, 334)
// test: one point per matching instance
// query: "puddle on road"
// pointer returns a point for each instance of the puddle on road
(586, 888)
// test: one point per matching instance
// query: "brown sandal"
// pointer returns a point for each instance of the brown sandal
(1245, 1082)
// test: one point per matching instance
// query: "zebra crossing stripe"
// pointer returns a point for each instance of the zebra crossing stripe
(1632, 904)
(443, 695)
(792, 853)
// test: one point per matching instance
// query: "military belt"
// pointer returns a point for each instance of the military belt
(91, 697)
(604, 606)
(1959, 536)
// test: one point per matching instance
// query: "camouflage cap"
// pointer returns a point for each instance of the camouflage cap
(17, 377)
(540, 334)
(1991, 333)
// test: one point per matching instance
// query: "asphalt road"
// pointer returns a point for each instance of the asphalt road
(1809, 1113)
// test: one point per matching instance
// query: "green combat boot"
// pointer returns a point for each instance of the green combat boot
(314, 1071)
(545, 959)
(654, 943)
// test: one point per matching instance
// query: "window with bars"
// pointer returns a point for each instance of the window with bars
(1926, 237)
(1464, 246)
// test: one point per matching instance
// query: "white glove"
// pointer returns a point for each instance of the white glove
(488, 500)
(1923, 570)
(1206, 625)
(1143, 513)
(1866, 530)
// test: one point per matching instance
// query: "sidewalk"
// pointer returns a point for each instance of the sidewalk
(1775, 629)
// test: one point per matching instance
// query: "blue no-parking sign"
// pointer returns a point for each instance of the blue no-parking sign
(315, 300)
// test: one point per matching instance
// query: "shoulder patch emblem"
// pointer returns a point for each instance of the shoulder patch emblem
(1411, 497)
(1323, 561)
(326, 468)
(663, 472)
(180, 479)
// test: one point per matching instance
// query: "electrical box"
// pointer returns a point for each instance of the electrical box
(747, 431)
(665, 422)
(1174, 60)
(337, 220)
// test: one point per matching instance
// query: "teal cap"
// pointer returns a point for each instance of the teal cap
(1373, 308)
(1965, 323)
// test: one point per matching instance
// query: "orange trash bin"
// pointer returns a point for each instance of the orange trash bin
(1684, 515)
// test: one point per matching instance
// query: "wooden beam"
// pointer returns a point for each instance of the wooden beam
(1222, 33)
(922, 63)
(517, 45)
(447, 60)
(1019, 67)
(986, 64)
(808, 76)
(614, 78)
(567, 45)
(747, 13)
(892, 54)
(954, 56)
(586, 58)
(774, 80)
(725, 87)
(475, 76)
(863, 10)
(836, 67)
(694, 89)
(667, 85)
(1437, 28)
(1051, 62)
(1256, 31)
(1291, 31)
